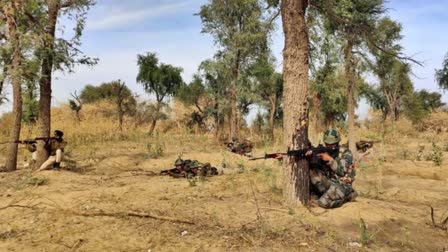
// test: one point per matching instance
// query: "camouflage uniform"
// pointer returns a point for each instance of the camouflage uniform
(342, 177)
(332, 181)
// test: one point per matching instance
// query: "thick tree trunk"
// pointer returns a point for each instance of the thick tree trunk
(15, 73)
(349, 75)
(295, 78)
(272, 110)
(44, 122)
(154, 120)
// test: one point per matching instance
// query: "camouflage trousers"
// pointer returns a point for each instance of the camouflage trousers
(337, 195)
(320, 183)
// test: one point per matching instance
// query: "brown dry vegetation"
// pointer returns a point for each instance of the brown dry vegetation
(107, 199)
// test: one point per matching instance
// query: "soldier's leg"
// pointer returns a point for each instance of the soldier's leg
(333, 198)
(47, 164)
(319, 182)
(59, 156)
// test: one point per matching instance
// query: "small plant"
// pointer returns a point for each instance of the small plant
(405, 154)
(420, 153)
(155, 150)
(241, 167)
(291, 211)
(366, 238)
(29, 179)
(436, 155)
(192, 180)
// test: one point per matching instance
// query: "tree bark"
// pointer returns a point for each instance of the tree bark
(349, 75)
(15, 73)
(44, 122)
(154, 120)
(272, 110)
(296, 175)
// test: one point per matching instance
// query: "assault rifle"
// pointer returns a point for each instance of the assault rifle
(30, 141)
(302, 153)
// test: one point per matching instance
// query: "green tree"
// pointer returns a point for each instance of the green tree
(269, 88)
(442, 74)
(159, 79)
(240, 30)
(207, 93)
(17, 36)
(116, 92)
(430, 100)
(354, 22)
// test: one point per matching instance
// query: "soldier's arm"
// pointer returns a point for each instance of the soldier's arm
(340, 165)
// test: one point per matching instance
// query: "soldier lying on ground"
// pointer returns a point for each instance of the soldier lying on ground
(190, 168)
(244, 148)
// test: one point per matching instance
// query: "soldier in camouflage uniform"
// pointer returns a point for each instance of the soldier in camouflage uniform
(190, 168)
(55, 147)
(332, 180)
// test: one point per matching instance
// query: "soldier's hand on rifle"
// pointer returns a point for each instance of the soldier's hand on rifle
(325, 157)
(278, 156)
(309, 153)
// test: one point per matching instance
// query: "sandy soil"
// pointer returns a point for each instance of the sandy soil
(111, 201)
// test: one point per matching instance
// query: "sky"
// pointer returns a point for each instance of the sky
(117, 31)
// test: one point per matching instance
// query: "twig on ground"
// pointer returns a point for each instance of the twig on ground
(131, 214)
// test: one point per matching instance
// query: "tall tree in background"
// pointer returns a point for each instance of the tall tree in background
(269, 88)
(159, 79)
(387, 35)
(295, 98)
(240, 31)
(57, 54)
(115, 92)
(354, 22)
(442, 74)
(13, 13)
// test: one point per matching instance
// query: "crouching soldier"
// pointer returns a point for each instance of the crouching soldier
(341, 175)
(55, 147)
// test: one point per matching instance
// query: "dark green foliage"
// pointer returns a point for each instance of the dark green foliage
(159, 79)
(442, 74)
(107, 90)
(115, 92)
(330, 88)
(431, 100)
(259, 123)
(414, 109)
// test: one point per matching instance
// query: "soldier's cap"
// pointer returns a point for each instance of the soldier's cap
(331, 137)
(59, 133)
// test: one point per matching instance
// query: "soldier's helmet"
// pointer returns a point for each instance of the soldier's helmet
(196, 164)
(59, 133)
(331, 137)
(179, 162)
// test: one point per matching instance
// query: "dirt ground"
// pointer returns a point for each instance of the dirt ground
(110, 200)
